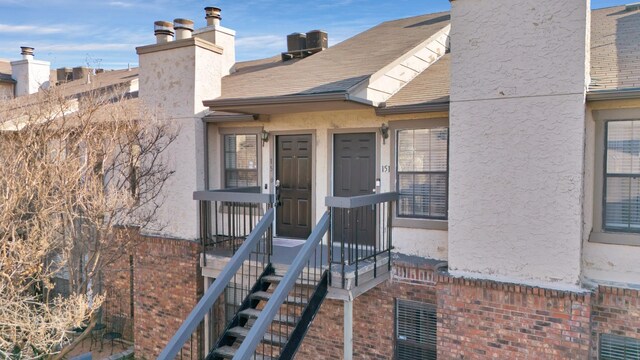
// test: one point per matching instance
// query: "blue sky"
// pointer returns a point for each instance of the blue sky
(104, 33)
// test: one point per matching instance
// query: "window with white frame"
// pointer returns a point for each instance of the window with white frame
(621, 192)
(422, 172)
(240, 160)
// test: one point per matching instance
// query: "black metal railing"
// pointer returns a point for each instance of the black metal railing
(360, 233)
(228, 216)
(226, 295)
(284, 320)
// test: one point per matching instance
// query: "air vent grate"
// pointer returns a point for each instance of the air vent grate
(416, 327)
(613, 347)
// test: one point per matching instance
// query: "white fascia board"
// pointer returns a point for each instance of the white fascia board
(387, 81)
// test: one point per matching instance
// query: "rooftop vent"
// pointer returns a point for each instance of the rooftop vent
(183, 27)
(213, 15)
(302, 45)
(632, 7)
(64, 74)
(26, 52)
(163, 30)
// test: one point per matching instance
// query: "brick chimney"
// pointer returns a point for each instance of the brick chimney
(30, 75)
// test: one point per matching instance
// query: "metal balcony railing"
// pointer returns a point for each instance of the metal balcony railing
(228, 216)
(360, 233)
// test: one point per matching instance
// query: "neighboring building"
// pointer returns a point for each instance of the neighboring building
(7, 83)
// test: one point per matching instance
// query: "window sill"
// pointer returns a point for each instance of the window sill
(615, 238)
(420, 223)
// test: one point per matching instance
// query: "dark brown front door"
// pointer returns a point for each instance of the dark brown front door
(354, 174)
(293, 170)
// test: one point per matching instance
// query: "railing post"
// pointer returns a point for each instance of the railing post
(389, 232)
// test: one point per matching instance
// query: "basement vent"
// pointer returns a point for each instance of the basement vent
(416, 327)
(614, 347)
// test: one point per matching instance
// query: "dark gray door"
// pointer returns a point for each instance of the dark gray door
(293, 170)
(354, 162)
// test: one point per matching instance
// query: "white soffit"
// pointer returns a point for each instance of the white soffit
(380, 86)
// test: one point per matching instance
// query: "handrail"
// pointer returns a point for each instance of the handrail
(359, 201)
(255, 335)
(213, 293)
(238, 195)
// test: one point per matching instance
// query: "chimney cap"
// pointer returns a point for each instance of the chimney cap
(183, 24)
(163, 28)
(212, 11)
(26, 50)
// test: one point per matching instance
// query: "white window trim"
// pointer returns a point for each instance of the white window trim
(598, 234)
(394, 126)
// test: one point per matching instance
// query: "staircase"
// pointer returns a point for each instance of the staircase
(289, 324)
(266, 310)
(276, 307)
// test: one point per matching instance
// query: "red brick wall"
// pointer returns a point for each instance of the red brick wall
(167, 285)
(615, 311)
(480, 319)
(373, 318)
(117, 285)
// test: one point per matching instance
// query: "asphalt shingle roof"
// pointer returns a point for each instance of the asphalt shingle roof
(336, 69)
(615, 60)
(615, 49)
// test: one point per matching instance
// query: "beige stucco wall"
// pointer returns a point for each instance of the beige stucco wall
(605, 263)
(169, 86)
(422, 242)
(517, 140)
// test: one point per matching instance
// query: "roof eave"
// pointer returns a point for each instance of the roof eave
(413, 108)
(217, 118)
(288, 103)
(614, 94)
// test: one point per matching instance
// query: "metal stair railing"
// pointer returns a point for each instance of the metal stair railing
(255, 244)
(307, 270)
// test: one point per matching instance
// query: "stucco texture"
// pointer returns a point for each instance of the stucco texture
(170, 88)
(517, 140)
(411, 241)
(518, 48)
(515, 206)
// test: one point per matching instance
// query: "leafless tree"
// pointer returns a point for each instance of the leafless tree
(74, 171)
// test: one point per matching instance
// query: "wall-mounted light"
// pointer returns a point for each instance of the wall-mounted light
(384, 131)
(264, 136)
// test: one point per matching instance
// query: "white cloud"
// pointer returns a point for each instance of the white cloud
(31, 29)
(122, 4)
(261, 43)
(87, 47)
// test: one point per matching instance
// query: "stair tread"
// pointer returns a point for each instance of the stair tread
(254, 313)
(305, 281)
(273, 278)
(240, 332)
(263, 295)
(228, 352)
